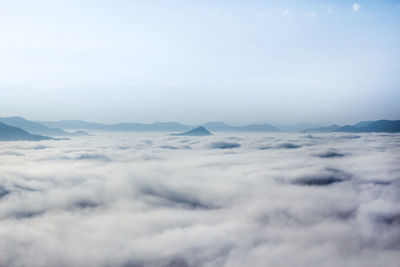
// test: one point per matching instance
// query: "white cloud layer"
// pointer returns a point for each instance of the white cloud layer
(157, 200)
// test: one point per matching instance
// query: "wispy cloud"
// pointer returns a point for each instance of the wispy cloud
(356, 7)
(286, 12)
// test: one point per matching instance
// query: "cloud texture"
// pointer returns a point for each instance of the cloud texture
(157, 200)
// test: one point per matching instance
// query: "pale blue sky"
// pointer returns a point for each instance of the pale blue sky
(197, 61)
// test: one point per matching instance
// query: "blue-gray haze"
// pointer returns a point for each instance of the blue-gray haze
(196, 61)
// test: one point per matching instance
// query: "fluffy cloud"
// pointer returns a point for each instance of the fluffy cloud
(157, 200)
(356, 7)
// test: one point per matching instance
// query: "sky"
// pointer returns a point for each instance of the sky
(197, 61)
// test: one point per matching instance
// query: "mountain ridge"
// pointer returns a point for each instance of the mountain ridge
(384, 126)
(214, 126)
(11, 133)
(157, 126)
(35, 127)
(198, 131)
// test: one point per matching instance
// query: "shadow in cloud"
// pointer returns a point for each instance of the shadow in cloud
(346, 214)
(169, 197)
(12, 153)
(93, 157)
(3, 191)
(331, 176)
(389, 219)
(25, 188)
(381, 182)
(289, 217)
(39, 147)
(329, 154)
(28, 214)
(85, 204)
(175, 147)
(349, 137)
(174, 262)
(131, 263)
(169, 147)
(224, 145)
(310, 136)
(288, 146)
(177, 262)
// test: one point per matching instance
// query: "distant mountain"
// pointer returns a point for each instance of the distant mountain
(81, 133)
(199, 131)
(223, 127)
(74, 124)
(217, 126)
(347, 129)
(128, 126)
(328, 129)
(362, 124)
(31, 126)
(36, 127)
(298, 127)
(157, 126)
(11, 133)
(385, 126)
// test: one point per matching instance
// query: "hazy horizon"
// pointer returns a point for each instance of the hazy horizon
(202, 122)
(240, 62)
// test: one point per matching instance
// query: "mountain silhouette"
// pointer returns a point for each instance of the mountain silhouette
(298, 127)
(75, 124)
(123, 127)
(223, 127)
(11, 133)
(328, 129)
(80, 133)
(36, 127)
(199, 131)
(363, 126)
(383, 126)
(158, 126)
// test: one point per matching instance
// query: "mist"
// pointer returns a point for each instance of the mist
(240, 199)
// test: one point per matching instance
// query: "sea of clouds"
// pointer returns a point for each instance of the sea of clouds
(224, 200)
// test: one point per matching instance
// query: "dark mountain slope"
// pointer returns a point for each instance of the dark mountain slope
(199, 131)
(328, 129)
(10, 133)
(380, 126)
(33, 127)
